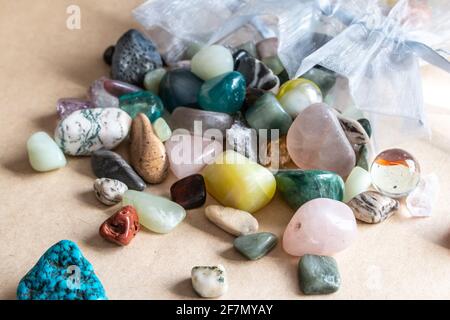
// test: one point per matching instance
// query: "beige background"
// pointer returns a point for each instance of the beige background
(41, 61)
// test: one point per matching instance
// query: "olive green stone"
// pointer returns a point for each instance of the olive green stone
(363, 160)
(318, 275)
(366, 125)
(298, 186)
(257, 245)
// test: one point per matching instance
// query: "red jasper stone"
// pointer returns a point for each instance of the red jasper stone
(122, 227)
(190, 192)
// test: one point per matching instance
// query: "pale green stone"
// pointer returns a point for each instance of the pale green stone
(157, 214)
(153, 79)
(357, 182)
(211, 62)
(44, 154)
(162, 129)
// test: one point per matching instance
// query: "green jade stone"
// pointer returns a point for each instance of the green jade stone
(297, 187)
(142, 102)
(255, 246)
(318, 275)
(44, 154)
(225, 93)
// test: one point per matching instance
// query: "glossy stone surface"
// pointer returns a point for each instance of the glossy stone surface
(243, 140)
(119, 88)
(275, 155)
(162, 129)
(153, 79)
(267, 113)
(108, 55)
(363, 158)
(420, 201)
(325, 79)
(109, 191)
(255, 246)
(240, 55)
(134, 56)
(297, 187)
(122, 227)
(373, 207)
(197, 122)
(257, 74)
(147, 153)
(85, 131)
(62, 273)
(209, 281)
(355, 132)
(309, 148)
(366, 125)
(395, 173)
(108, 164)
(357, 182)
(105, 93)
(44, 154)
(233, 221)
(304, 233)
(238, 182)
(211, 62)
(297, 95)
(188, 154)
(66, 106)
(155, 213)
(190, 192)
(180, 88)
(142, 102)
(318, 275)
(225, 93)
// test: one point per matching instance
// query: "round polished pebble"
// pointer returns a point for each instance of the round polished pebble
(233, 221)
(318, 275)
(255, 246)
(153, 79)
(190, 192)
(44, 154)
(357, 182)
(212, 61)
(162, 129)
(296, 95)
(209, 281)
(142, 102)
(109, 191)
(122, 227)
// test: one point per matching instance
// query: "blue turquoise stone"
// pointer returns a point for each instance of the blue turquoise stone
(298, 187)
(225, 93)
(142, 102)
(62, 273)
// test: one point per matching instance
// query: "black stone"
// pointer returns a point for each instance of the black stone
(180, 88)
(134, 56)
(108, 164)
(257, 74)
(108, 55)
(238, 56)
(366, 125)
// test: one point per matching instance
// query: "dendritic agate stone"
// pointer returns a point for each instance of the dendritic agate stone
(142, 102)
(296, 95)
(309, 148)
(66, 106)
(209, 282)
(373, 207)
(44, 154)
(212, 61)
(85, 131)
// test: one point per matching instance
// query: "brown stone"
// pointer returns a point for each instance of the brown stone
(276, 152)
(148, 153)
(122, 227)
(190, 192)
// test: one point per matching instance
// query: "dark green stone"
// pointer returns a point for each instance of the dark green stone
(298, 187)
(225, 93)
(323, 77)
(318, 275)
(255, 246)
(142, 102)
(366, 125)
(363, 160)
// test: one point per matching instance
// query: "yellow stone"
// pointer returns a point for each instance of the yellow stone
(292, 84)
(237, 182)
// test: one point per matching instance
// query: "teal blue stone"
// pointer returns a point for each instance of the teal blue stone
(318, 275)
(142, 102)
(255, 246)
(298, 186)
(62, 273)
(366, 125)
(225, 93)
(267, 113)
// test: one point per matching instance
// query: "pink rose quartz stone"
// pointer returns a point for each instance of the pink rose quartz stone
(189, 154)
(316, 140)
(320, 227)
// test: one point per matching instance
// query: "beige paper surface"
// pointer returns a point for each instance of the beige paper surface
(42, 60)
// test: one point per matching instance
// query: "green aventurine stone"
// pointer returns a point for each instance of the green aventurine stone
(366, 125)
(225, 93)
(44, 154)
(142, 102)
(318, 275)
(298, 187)
(255, 246)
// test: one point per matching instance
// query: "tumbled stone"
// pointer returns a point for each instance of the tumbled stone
(325, 79)
(277, 67)
(108, 55)
(357, 182)
(251, 96)
(62, 273)
(85, 131)
(225, 93)
(238, 56)
(119, 88)
(189, 154)
(44, 154)
(197, 122)
(373, 207)
(236, 222)
(147, 153)
(211, 62)
(67, 106)
(108, 164)
(305, 232)
(238, 182)
(318, 275)
(122, 227)
(309, 148)
(255, 246)
(190, 192)
(275, 155)
(267, 48)
(243, 140)
(366, 125)
(105, 93)
(109, 191)
(142, 102)
(298, 187)
(134, 56)
(162, 129)
(209, 282)
(257, 74)
(180, 88)
(267, 113)
(155, 213)
(363, 158)
(354, 131)
(421, 200)
(153, 79)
